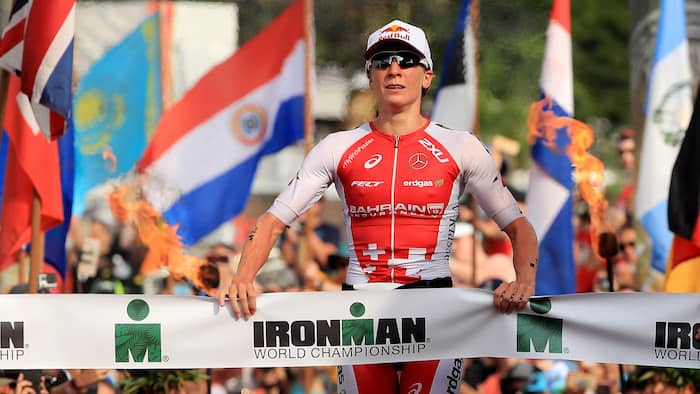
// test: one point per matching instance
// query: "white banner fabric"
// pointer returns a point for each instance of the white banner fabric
(299, 329)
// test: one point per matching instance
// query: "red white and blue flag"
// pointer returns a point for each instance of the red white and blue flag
(26, 175)
(207, 146)
(12, 43)
(38, 45)
(549, 196)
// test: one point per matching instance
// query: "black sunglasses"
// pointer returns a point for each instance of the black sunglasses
(405, 59)
(624, 245)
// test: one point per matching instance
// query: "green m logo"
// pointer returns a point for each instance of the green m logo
(137, 339)
(539, 331)
(358, 331)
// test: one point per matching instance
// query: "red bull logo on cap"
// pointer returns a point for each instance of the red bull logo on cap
(395, 32)
(394, 28)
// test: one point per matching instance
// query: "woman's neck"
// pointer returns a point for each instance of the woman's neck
(399, 123)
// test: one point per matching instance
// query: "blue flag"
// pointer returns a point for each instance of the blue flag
(55, 244)
(4, 143)
(549, 197)
(669, 105)
(117, 107)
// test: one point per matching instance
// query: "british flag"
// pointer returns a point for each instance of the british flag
(37, 44)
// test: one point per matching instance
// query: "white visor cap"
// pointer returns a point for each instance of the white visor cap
(400, 32)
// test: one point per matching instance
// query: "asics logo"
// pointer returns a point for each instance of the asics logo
(373, 161)
(433, 149)
(415, 388)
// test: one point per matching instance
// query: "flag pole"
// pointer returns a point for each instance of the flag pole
(308, 69)
(165, 29)
(37, 252)
(304, 248)
(474, 24)
(304, 253)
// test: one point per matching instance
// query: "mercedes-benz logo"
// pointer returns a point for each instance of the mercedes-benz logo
(418, 161)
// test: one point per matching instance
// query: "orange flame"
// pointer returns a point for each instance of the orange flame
(543, 122)
(109, 156)
(164, 247)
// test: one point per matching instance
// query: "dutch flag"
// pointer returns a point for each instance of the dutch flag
(205, 150)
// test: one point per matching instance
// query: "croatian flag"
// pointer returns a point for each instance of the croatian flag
(549, 197)
(38, 44)
(205, 150)
(668, 110)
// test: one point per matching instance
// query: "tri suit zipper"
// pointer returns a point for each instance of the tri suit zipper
(393, 204)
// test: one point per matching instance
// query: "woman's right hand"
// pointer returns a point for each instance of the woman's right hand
(242, 295)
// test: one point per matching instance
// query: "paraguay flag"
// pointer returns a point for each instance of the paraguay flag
(549, 197)
(205, 150)
(668, 110)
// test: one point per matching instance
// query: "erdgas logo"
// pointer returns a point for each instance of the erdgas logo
(11, 340)
(539, 333)
(455, 377)
(677, 341)
(418, 183)
(346, 338)
(137, 339)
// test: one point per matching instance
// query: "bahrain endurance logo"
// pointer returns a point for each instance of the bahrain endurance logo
(250, 124)
(137, 339)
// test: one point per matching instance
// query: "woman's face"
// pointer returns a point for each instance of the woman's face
(396, 88)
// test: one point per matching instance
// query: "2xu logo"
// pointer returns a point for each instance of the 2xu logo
(137, 339)
(434, 150)
(537, 332)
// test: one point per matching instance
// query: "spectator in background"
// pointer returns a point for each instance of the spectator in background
(323, 238)
(626, 149)
(627, 242)
(222, 260)
(494, 240)
(497, 267)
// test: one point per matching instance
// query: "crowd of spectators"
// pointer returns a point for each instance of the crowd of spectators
(106, 256)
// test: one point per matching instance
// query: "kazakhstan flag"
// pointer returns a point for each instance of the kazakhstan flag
(117, 106)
